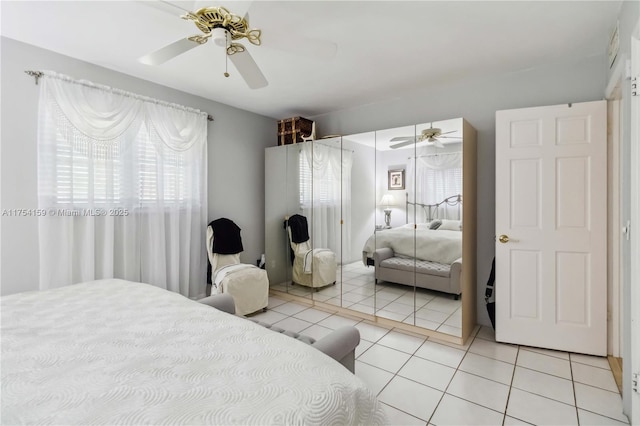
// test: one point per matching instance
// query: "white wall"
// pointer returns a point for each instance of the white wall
(477, 100)
(236, 140)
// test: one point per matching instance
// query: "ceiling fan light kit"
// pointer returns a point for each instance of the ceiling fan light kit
(219, 36)
(218, 22)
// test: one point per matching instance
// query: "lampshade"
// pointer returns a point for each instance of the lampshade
(387, 200)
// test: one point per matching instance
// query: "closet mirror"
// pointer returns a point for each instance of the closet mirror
(395, 208)
(282, 195)
(306, 189)
(418, 258)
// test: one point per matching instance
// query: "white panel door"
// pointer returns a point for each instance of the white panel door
(551, 272)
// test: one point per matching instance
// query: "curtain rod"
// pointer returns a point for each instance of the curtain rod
(38, 74)
(436, 154)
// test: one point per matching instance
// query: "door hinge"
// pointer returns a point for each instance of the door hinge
(634, 382)
(634, 86)
(626, 230)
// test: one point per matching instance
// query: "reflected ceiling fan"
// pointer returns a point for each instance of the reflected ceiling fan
(225, 29)
(432, 136)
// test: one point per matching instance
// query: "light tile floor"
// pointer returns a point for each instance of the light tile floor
(424, 381)
(356, 289)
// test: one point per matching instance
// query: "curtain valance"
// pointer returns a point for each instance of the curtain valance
(105, 113)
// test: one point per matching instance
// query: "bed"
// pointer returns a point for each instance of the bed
(442, 244)
(426, 255)
(118, 352)
(439, 245)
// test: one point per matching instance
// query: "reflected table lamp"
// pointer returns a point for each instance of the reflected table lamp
(387, 201)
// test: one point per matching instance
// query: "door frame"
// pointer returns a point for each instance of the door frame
(635, 221)
(614, 219)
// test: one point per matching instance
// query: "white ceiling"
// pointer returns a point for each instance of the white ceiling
(386, 49)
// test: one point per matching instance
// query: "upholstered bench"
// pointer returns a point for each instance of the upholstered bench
(340, 344)
(425, 274)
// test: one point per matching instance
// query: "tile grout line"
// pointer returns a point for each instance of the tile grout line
(573, 386)
(394, 375)
(506, 406)
(464, 399)
(454, 374)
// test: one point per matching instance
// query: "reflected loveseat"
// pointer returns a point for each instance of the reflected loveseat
(429, 275)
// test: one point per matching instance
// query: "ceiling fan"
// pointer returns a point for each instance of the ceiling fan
(432, 135)
(225, 29)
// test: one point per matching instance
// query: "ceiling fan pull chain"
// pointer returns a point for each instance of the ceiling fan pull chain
(226, 55)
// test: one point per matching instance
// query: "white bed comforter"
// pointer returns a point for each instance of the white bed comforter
(117, 352)
(440, 246)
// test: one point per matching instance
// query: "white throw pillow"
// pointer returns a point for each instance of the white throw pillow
(450, 225)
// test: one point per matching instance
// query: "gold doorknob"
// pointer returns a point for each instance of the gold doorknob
(503, 239)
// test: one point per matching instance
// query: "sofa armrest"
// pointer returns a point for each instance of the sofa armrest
(454, 275)
(223, 302)
(340, 345)
(381, 254)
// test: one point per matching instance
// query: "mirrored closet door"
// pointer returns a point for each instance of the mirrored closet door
(359, 218)
(395, 210)
(394, 234)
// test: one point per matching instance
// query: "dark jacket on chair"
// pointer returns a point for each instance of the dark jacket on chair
(226, 237)
(299, 228)
(226, 240)
(299, 231)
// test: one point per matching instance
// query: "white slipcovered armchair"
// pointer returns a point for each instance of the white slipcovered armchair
(311, 267)
(247, 284)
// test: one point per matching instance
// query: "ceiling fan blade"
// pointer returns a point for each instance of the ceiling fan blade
(249, 70)
(402, 138)
(240, 8)
(303, 46)
(401, 144)
(437, 143)
(445, 133)
(449, 137)
(170, 51)
(176, 8)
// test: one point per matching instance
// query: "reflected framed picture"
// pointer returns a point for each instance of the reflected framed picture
(396, 179)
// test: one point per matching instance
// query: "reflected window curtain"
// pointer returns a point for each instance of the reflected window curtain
(122, 179)
(325, 188)
(432, 178)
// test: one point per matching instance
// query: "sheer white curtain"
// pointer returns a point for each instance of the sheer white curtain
(122, 180)
(432, 178)
(325, 188)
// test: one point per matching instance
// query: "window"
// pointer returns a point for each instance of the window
(440, 184)
(94, 173)
(324, 190)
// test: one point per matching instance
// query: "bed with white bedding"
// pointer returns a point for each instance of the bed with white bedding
(439, 245)
(118, 352)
